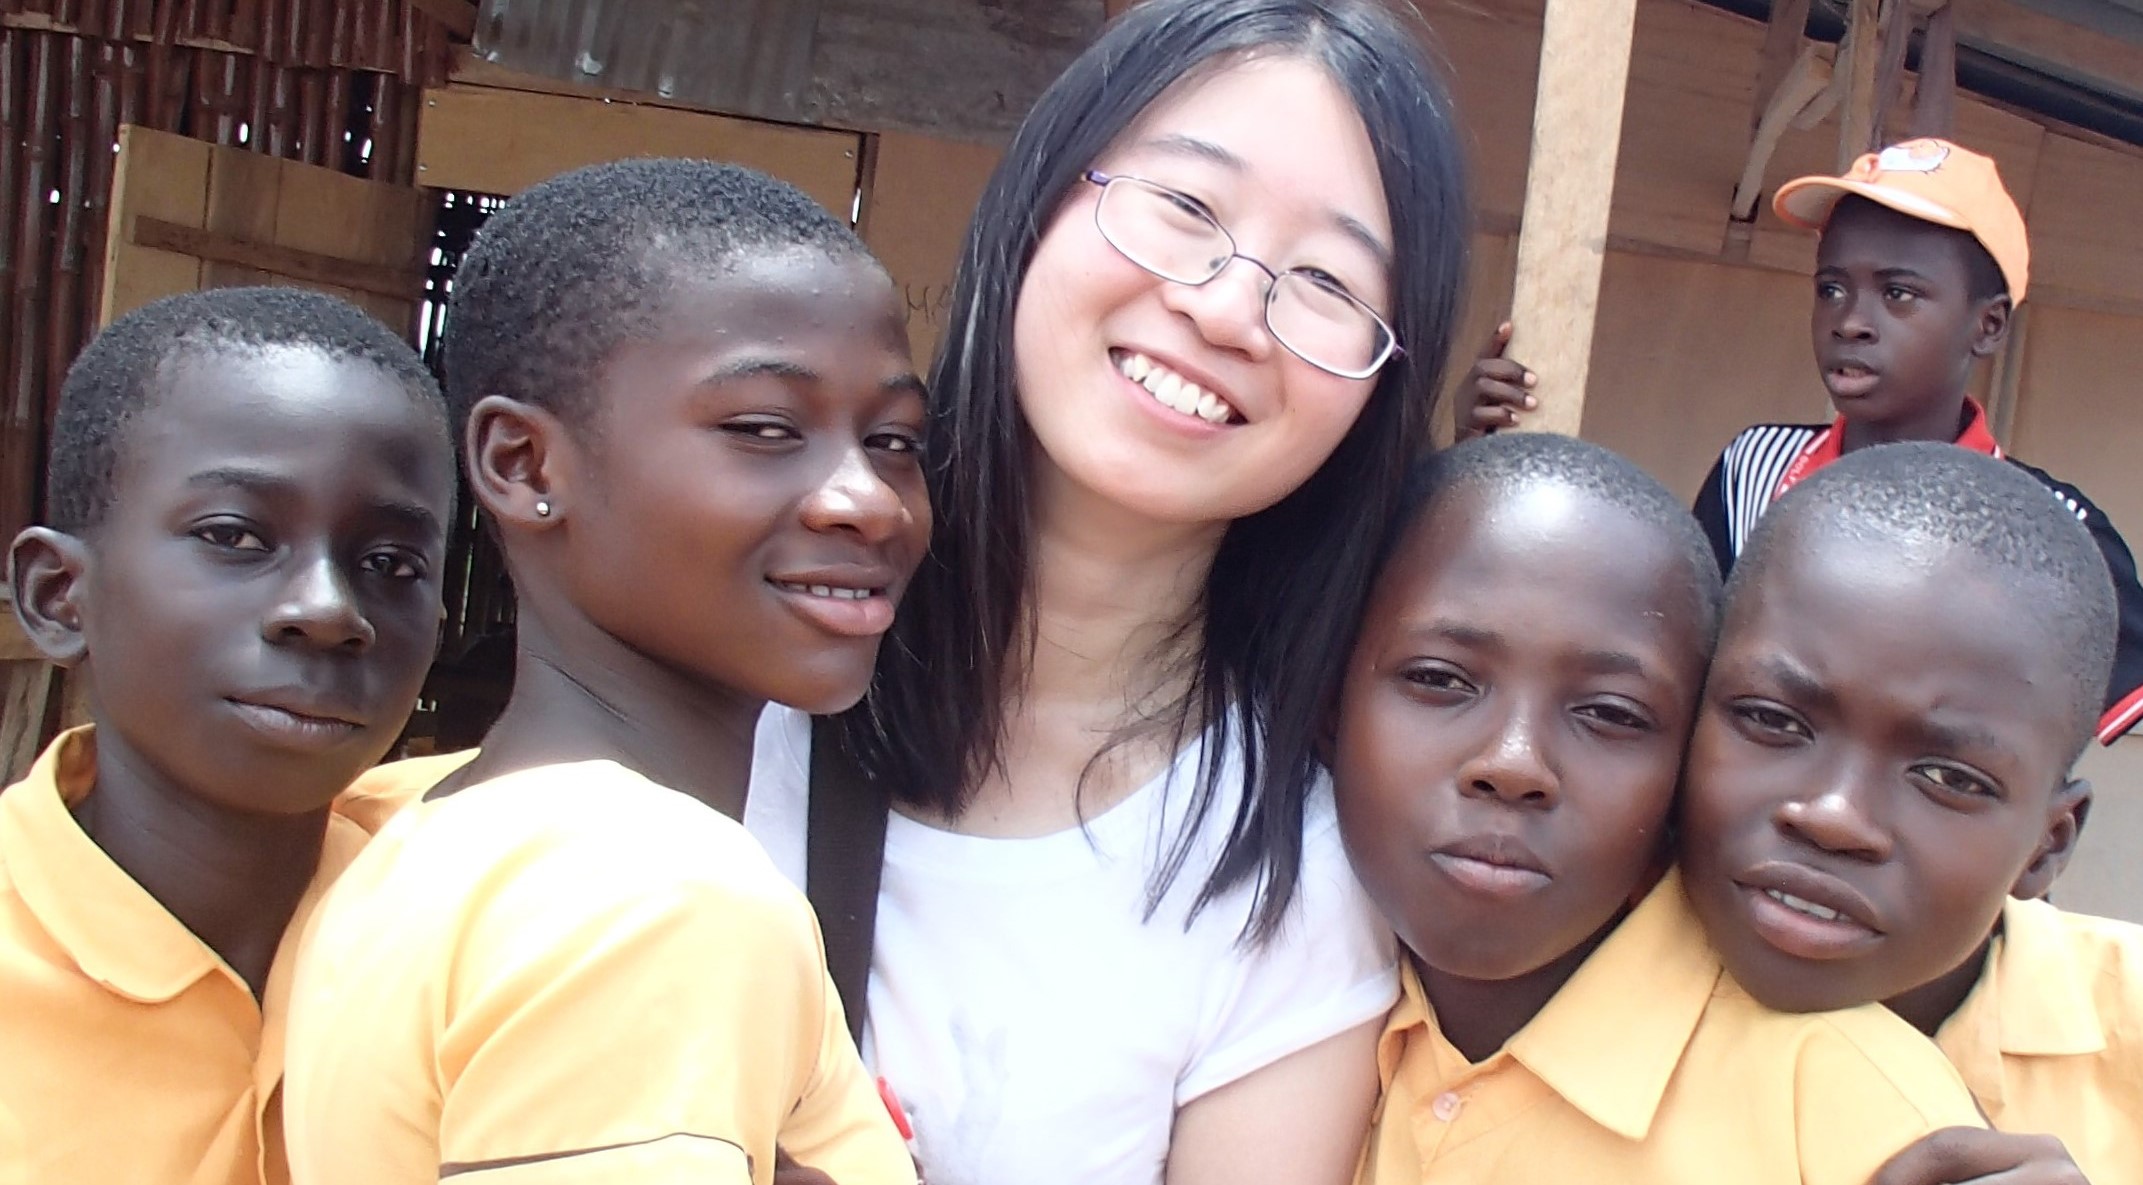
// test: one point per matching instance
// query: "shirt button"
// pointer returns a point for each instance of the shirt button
(1446, 1106)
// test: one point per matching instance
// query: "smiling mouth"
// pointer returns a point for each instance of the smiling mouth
(831, 591)
(1172, 390)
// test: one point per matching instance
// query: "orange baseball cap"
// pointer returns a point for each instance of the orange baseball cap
(1928, 179)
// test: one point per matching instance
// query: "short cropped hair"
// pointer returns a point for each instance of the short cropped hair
(118, 375)
(1929, 500)
(1509, 462)
(570, 268)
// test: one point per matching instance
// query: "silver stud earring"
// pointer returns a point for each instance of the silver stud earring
(543, 508)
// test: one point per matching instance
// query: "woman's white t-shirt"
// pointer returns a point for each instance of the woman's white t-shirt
(1037, 1025)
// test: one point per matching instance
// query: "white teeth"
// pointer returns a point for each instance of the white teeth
(1173, 391)
(1802, 905)
(827, 590)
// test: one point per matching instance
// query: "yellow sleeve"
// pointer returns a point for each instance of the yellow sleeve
(1866, 1087)
(838, 1127)
(646, 1013)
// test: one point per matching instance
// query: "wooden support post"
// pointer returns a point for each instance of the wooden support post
(1569, 187)
(1861, 54)
(1934, 102)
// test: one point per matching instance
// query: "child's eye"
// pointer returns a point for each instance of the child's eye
(896, 442)
(393, 565)
(1829, 290)
(1957, 781)
(229, 536)
(1897, 294)
(1616, 715)
(1437, 678)
(1769, 722)
(772, 431)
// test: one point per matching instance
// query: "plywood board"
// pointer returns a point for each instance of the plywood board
(919, 198)
(1688, 353)
(2077, 414)
(330, 214)
(502, 141)
(162, 176)
(242, 189)
(2087, 222)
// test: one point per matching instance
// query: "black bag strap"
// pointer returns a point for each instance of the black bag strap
(844, 855)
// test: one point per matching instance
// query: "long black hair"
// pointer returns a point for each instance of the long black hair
(1287, 582)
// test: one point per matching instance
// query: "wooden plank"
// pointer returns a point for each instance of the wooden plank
(14, 644)
(1784, 36)
(389, 227)
(920, 195)
(2036, 34)
(242, 188)
(2084, 233)
(25, 696)
(1689, 352)
(501, 141)
(2075, 413)
(308, 266)
(162, 177)
(1859, 57)
(1562, 243)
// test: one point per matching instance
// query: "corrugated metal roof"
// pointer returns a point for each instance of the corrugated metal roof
(746, 56)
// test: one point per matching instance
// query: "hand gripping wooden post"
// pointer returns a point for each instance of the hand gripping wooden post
(1569, 185)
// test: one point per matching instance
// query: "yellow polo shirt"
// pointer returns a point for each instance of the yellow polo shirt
(1652, 1067)
(2051, 1038)
(571, 973)
(129, 1051)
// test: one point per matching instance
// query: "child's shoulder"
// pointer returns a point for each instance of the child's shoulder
(381, 792)
(1764, 439)
(2100, 955)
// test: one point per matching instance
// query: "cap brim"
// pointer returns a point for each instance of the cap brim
(1806, 202)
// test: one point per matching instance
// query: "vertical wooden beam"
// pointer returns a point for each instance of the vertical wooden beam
(1569, 186)
(1862, 52)
(1934, 101)
(1783, 35)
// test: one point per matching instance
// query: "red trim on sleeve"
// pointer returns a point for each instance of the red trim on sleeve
(2120, 717)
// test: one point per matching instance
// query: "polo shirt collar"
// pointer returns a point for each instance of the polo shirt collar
(111, 927)
(1652, 979)
(1829, 444)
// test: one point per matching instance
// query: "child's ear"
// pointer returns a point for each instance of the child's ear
(515, 462)
(2070, 808)
(45, 573)
(1990, 331)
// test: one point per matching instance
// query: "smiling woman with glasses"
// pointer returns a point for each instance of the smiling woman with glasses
(1117, 940)
(1173, 235)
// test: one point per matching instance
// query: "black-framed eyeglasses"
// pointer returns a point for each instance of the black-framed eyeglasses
(1171, 235)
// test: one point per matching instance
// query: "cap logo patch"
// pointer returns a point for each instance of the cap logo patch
(1913, 156)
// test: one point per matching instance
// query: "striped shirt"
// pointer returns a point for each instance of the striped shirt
(1768, 459)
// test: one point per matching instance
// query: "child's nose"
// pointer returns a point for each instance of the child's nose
(1511, 767)
(855, 497)
(319, 608)
(1838, 819)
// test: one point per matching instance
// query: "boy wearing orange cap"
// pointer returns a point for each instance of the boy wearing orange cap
(1923, 259)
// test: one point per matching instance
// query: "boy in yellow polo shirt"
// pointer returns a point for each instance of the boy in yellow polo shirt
(689, 412)
(1878, 791)
(249, 493)
(1512, 723)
